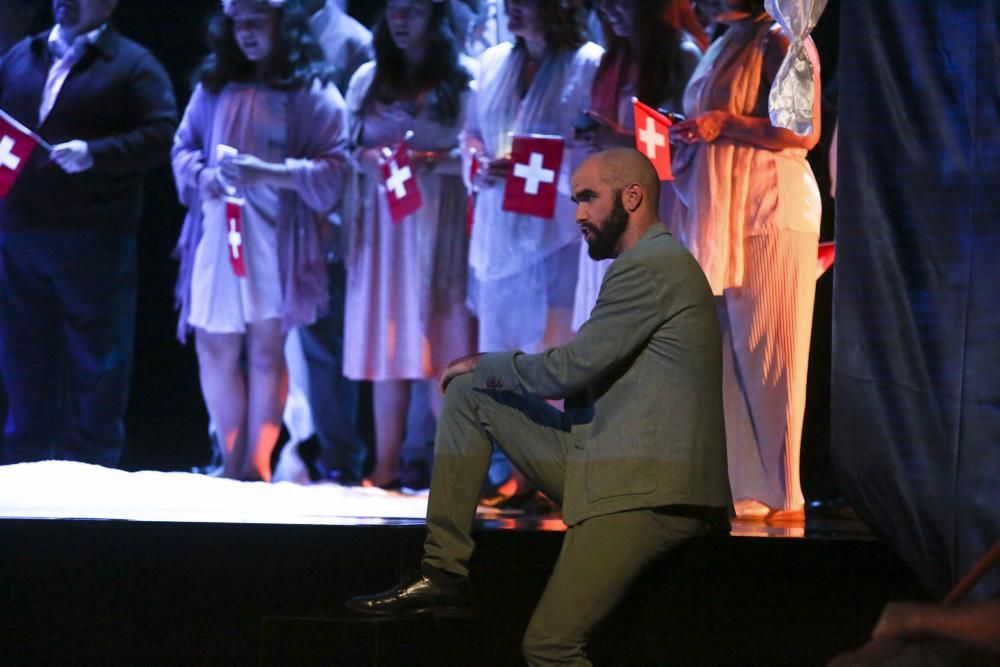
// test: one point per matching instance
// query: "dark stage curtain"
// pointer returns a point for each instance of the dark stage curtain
(916, 324)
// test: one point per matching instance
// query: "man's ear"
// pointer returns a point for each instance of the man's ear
(632, 197)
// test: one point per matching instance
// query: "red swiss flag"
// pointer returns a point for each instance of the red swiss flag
(16, 144)
(234, 235)
(532, 184)
(652, 138)
(401, 189)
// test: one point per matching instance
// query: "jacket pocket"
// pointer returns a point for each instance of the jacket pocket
(622, 464)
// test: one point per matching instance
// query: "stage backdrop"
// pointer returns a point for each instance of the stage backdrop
(916, 360)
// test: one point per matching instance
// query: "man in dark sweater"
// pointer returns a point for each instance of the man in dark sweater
(68, 231)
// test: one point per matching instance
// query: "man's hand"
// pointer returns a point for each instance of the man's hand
(973, 623)
(900, 620)
(977, 622)
(72, 156)
(459, 366)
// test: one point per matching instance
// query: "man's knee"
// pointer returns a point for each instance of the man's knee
(459, 391)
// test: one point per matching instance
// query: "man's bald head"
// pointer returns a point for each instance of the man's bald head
(617, 194)
(623, 167)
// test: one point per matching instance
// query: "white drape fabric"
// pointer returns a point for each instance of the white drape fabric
(790, 103)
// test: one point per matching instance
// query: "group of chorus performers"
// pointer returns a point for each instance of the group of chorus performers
(461, 274)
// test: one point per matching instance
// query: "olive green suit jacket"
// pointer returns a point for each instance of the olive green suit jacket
(642, 381)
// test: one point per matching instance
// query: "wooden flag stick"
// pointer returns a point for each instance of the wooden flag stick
(975, 574)
(34, 135)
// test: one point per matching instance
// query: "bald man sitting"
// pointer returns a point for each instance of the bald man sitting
(637, 460)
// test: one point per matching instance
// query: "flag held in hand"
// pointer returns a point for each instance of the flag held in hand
(16, 144)
(400, 180)
(234, 235)
(532, 184)
(652, 138)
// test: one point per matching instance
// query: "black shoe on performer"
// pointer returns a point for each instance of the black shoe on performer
(418, 593)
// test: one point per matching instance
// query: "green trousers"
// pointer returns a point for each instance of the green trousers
(600, 556)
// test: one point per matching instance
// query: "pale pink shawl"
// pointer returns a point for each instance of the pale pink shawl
(317, 142)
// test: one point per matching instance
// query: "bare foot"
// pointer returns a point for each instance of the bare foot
(750, 509)
(384, 479)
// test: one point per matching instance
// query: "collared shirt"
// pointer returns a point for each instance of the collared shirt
(64, 56)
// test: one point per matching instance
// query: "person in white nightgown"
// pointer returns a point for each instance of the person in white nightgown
(406, 313)
(261, 92)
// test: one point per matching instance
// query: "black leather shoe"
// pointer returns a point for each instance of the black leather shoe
(416, 594)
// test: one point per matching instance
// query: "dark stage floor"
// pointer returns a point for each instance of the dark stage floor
(134, 592)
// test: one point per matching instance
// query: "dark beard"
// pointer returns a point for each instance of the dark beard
(603, 241)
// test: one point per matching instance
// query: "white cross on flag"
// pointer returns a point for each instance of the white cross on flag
(532, 184)
(16, 144)
(652, 138)
(234, 235)
(401, 189)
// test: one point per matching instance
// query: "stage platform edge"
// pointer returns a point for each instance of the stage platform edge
(115, 592)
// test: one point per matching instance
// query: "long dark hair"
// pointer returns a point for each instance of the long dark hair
(440, 72)
(295, 61)
(661, 72)
(565, 24)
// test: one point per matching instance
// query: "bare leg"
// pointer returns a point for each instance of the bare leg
(558, 327)
(436, 397)
(391, 399)
(224, 390)
(558, 331)
(455, 333)
(268, 386)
